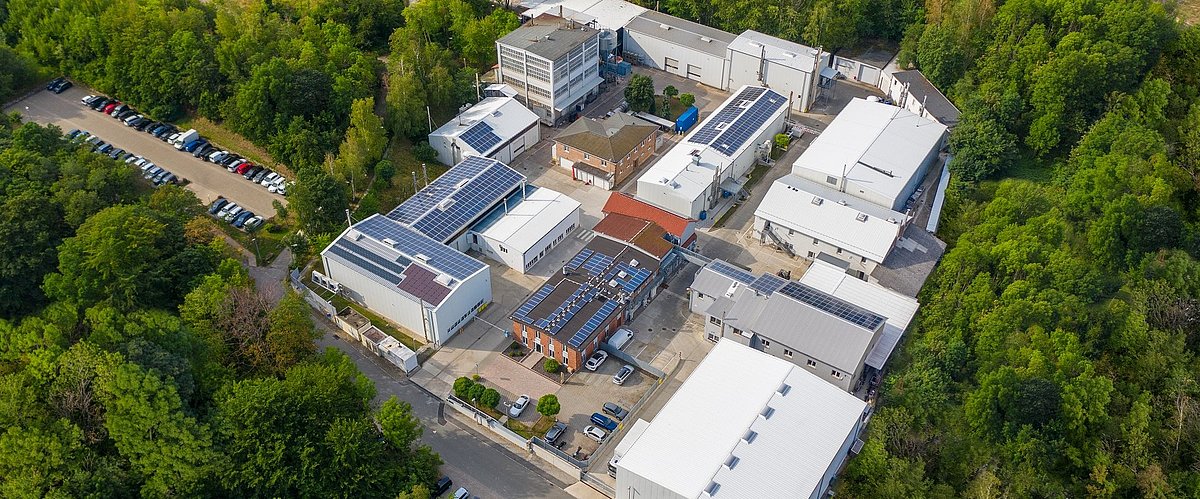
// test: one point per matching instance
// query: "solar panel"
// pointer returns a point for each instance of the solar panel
(768, 283)
(749, 122)
(481, 137)
(731, 272)
(575, 262)
(439, 256)
(363, 264)
(457, 198)
(727, 114)
(396, 267)
(533, 301)
(597, 263)
(597, 319)
(832, 305)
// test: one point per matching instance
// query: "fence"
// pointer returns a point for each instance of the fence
(598, 484)
(631, 360)
(311, 297)
(485, 420)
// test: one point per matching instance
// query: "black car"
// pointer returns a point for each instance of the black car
(154, 127)
(555, 432)
(98, 145)
(249, 174)
(115, 153)
(125, 114)
(443, 484)
(106, 148)
(62, 87)
(217, 205)
(54, 83)
(202, 150)
(59, 84)
(99, 104)
(143, 124)
(166, 131)
(260, 175)
(230, 159)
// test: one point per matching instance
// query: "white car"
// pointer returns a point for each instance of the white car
(623, 374)
(269, 179)
(226, 209)
(86, 98)
(595, 360)
(462, 493)
(595, 433)
(518, 406)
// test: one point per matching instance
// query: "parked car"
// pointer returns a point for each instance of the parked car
(621, 338)
(443, 484)
(160, 178)
(595, 360)
(518, 406)
(216, 157)
(282, 188)
(261, 175)
(225, 210)
(169, 178)
(623, 374)
(555, 432)
(58, 85)
(131, 118)
(93, 140)
(244, 167)
(595, 433)
(255, 222)
(193, 145)
(117, 110)
(615, 411)
(99, 104)
(147, 166)
(252, 172)
(233, 213)
(269, 179)
(240, 220)
(116, 153)
(462, 493)
(604, 421)
(87, 99)
(217, 205)
(152, 172)
(62, 87)
(107, 148)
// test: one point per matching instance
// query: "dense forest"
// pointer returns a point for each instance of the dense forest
(1055, 351)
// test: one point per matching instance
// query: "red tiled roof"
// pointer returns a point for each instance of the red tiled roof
(642, 234)
(624, 204)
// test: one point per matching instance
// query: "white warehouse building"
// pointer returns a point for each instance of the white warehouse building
(679, 47)
(408, 278)
(875, 152)
(716, 155)
(785, 67)
(744, 424)
(497, 127)
(523, 234)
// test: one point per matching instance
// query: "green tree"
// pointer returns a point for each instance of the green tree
(462, 387)
(551, 365)
(291, 336)
(548, 405)
(982, 148)
(319, 201)
(490, 398)
(670, 91)
(364, 144)
(398, 423)
(640, 93)
(782, 140)
(687, 100)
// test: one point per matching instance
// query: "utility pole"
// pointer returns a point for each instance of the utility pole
(425, 173)
(478, 92)
(429, 117)
(348, 222)
(416, 186)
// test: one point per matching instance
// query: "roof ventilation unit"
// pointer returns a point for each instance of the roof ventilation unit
(750, 436)
(842, 202)
(664, 26)
(633, 263)
(355, 235)
(892, 220)
(389, 242)
(862, 217)
(613, 283)
(817, 200)
(731, 462)
(705, 39)
(445, 204)
(444, 280)
(422, 257)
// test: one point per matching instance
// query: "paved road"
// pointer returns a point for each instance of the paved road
(207, 180)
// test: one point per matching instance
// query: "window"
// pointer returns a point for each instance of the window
(502, 250)
(566, 148)
(811, 363)
(787, 353)
(714, 320)
(864, 259)
(835, 374)
(537, 335)
(766, 343)
(811, 255)
(699, 295)
(839, 251)
(731, 462)
(587, 156)
(603, 163)
(831, 179)
(816, 242)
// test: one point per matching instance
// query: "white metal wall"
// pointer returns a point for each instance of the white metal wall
(714, 69)
(788, 81)
(670, 199)
(521, 262)
(389, 303)
(461, 302)
(802, 244)
(633, 486)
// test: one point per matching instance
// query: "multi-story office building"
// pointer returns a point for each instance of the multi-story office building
(554, 65)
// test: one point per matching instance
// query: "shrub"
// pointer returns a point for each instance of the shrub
(385, 170)
(476, 377)
(490, 398)
(548, 405)
(686, 100)
(424, 152)
(462, 387)
(476, 392)
(551, 366)
(782, 140)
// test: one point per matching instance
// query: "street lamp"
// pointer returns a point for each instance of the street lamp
(256, 257)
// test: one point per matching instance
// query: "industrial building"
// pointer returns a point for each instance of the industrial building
(646, 236)
(497, 127)
(407, 277)
(600, 288)
(712, 160)
(805, 218)
(520, 236)
(553, 63)
(785, 67)
(743, 424)
(875, 152)
(679, 47)
(912, 91)
(680, 230)
(605, 152)
(790, 320)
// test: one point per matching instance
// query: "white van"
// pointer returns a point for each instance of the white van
(621, 338)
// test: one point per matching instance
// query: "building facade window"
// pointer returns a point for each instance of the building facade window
(811, 363)
(766, 343)
(715, 320)
(566, 148)
(836, 374)
(831, 179)
(787, 353)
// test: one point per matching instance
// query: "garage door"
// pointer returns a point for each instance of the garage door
(693, 72)
(671, 64)
(566, 163)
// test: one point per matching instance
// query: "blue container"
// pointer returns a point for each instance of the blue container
(687, 119)
(703, 215)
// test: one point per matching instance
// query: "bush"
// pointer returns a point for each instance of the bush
(476, 392)
(476, 377)
(687, 100)
(280, 209)
(548, 405)
(490, 398)
(385, 170)
(551, 366)
(424, 152)
(782, 140)
(462, 387)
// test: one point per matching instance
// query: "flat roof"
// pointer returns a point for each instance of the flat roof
(486, 126)
(707, 421)
(548, 36)
(458, 198)
(398, 257)
(682, 32)
(529, 221)
(859, 226)
(877, 146)
(898, 309)
(593, 285)
(607, 14)
(722, 137)
(775, 50)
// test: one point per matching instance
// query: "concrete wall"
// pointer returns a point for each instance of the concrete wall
(803, 244)
(714, 70)
(858, 71)
(670, 199)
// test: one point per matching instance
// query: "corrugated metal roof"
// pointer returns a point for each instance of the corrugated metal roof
(932, 99)
(898, 309)
(711, 283)
(835, 219)
(529, 221)
(682, 32)
(687, 445)
(549, 36)
(776, 50)
(805, 329)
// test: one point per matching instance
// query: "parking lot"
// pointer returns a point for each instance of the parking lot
(207, 180)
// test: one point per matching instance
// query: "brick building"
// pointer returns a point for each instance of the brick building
(605, 152)
(679, 230)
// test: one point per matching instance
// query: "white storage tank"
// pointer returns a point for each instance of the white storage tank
(608, 43)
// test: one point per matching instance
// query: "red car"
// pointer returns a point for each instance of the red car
(109, 107)
(245, 167)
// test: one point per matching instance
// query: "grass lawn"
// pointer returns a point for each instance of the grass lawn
(1189, 11)
(235, 142)
(400, 153)
(271, 239)
(542, 425)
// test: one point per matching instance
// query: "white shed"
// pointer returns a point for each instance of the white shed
(497, 127)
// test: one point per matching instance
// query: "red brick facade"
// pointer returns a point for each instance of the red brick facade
(621, 170)
(531, 336)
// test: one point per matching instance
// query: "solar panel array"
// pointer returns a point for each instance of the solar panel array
(727, 114)
(533, 301)
(768, 283)
(408, 241)
(457, 198)
(749, 122)
(597, 319)
(731, 272)
(387, 270)
(832, 305)
(481, 137)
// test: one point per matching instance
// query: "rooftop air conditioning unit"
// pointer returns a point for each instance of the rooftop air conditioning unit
(622, 274)
(422, 257)
(613, 283)
(389, 242)
(633, 263)
(862, 217)
(817, 201)
(842, 202)
(664, 26)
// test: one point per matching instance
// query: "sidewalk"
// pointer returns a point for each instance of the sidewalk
(461, 356)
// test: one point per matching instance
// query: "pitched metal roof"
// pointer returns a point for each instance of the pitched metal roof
(682, 32)
(934, 101)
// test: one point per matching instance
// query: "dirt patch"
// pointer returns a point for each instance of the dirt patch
(1189, 11)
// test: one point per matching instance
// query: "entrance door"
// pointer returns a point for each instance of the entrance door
(693, 72)
(537, 347)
